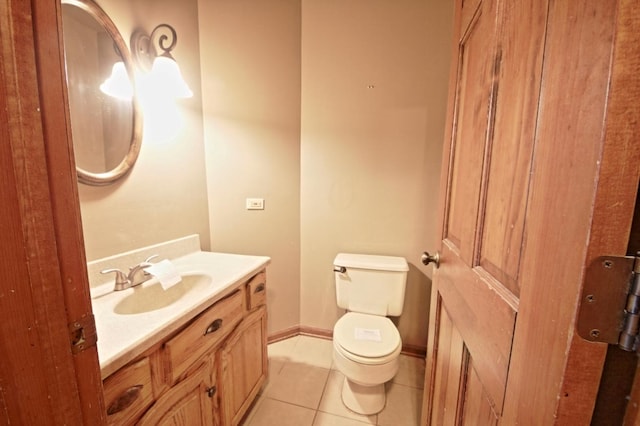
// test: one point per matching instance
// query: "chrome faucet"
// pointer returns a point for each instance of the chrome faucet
(137, 275)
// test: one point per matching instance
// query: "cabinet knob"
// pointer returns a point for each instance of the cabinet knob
(211, 391)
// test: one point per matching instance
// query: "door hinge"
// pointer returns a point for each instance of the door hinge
(82, 333)
(610, 303)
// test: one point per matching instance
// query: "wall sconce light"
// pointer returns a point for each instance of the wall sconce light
(163, 71)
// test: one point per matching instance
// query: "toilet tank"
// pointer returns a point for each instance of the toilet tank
(370, 284)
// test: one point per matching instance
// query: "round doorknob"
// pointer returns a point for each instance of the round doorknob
(431, 258)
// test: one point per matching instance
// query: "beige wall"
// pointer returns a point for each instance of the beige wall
(331, 111)
(250, 56)
(165, 196)
(374, 77)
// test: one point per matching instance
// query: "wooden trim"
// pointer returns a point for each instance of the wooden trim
(632, 413)
(434, 309)
(614, 202)
(283, 334)
(414, 350)
(63, 185)
(37, 368)
(321, 333)
(553, 373)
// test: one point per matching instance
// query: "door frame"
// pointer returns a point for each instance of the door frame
(614, 199)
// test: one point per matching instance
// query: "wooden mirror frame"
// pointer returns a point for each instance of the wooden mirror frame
(124, 167)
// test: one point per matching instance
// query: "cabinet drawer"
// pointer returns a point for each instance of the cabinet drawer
(128, 393)
(202, 335)
(257, 291)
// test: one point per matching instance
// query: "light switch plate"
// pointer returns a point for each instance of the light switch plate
(255, 203)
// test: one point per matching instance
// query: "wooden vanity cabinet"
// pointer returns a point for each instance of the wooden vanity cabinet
(192, 401)
(207, 373)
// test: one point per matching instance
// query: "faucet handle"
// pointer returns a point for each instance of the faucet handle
(148, 261)
(140, 266)
(121, 277)
(137, 274)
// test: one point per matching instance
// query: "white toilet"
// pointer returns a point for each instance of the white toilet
(366, 344)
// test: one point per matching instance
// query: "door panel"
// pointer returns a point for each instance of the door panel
(492, 123)
(481, 307)
(507, 180)
(474, 89)
(477, 404)
(468, 10)
(538, 179)
(484, 315)
(466, 387)
(449, 371)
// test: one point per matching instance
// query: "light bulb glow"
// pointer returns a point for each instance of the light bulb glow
(167, 78)
(118, 84)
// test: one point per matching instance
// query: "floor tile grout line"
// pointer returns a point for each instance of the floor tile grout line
(406, 386)
(324, 389)
(348, 418)
(290, 403)
(315, 415)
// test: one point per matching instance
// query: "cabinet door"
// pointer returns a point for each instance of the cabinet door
(243, 365)
(190, 402)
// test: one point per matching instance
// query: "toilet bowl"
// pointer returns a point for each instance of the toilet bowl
(366, 344)
(366, 349)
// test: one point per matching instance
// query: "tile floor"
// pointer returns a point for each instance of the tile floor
(303, 390)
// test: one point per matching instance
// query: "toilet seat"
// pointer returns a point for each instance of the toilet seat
(367, 339)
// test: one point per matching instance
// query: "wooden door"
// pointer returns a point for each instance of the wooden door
(44, 289)
(541, 126)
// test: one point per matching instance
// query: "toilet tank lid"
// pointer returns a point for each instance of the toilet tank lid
(370, 261)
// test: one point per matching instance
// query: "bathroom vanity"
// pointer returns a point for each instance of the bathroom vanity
(199, 358)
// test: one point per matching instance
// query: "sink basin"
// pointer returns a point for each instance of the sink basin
(151, 296)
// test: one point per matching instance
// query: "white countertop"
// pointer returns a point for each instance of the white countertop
(121, 338)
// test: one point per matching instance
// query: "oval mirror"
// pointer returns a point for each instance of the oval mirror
(106, 128)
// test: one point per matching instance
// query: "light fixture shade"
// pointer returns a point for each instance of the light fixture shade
(118, 84)
(167, 77)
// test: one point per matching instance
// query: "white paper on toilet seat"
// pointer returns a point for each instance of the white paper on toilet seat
(371, 334)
